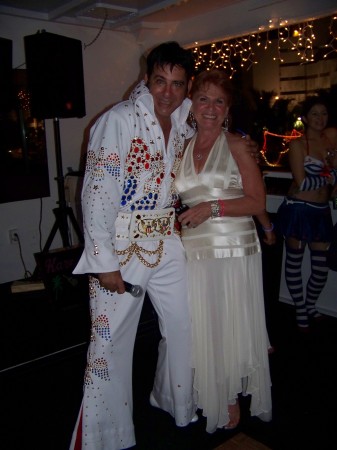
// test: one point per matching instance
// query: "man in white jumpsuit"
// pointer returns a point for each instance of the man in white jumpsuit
(127, 199)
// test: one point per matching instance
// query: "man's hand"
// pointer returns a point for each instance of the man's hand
(252, 147)
(244, 143)
(112, 281)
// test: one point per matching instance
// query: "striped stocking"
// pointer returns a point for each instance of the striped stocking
(317, 280)
(293, 275)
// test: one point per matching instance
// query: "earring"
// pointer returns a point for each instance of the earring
(191, 120)
(226, 124)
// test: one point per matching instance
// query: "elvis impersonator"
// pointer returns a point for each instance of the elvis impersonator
(127, 200)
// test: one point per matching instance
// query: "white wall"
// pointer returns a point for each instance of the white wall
(111, 65)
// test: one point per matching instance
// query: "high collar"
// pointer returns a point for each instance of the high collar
(142, 98)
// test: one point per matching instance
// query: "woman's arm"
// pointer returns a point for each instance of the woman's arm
(254, 200)
(267, 227)
(303, 181)
(331, 134)
(296, 161)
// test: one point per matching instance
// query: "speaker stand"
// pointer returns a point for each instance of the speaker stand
(63, 212)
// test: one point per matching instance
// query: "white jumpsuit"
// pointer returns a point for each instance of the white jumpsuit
(128, 169)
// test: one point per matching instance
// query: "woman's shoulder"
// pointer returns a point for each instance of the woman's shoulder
(298, 143)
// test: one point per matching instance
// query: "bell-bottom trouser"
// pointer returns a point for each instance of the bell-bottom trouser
(105, 418)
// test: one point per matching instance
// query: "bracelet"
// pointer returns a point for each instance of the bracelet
(270, 228)
(215, 209)
(221, 207)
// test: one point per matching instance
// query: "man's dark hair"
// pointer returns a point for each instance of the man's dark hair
(172, 54)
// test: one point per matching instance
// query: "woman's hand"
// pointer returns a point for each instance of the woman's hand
(196, 215)
(269, 237)
(331, 158)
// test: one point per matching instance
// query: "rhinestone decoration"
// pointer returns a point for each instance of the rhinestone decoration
(101, 325)
(140, 160)
(98, 367)
(98, 165)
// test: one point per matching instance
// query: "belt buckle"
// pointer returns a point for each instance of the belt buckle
(152, 225)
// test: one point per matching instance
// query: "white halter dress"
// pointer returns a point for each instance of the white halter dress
(230, 341)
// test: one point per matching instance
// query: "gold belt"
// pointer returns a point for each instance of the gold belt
(144, 226)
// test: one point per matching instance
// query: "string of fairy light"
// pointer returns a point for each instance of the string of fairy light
(24, 99)
(300, 40)
(331, 47)
(239, 52)
(285, 140)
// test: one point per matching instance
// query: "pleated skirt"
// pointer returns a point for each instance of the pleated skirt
(230, 340)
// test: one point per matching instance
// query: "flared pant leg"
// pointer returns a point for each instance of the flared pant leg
(105, 420)
(167, 289)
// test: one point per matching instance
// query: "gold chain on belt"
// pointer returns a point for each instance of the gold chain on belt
(136, 249)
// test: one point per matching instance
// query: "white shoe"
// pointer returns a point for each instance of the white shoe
(195, 418)
(153, 402)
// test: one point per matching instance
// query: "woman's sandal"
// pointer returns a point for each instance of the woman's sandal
(234, 416)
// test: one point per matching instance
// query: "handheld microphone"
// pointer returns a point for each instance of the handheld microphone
(134, 289)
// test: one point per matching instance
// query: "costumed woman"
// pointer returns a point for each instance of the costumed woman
(305, 215)
(223, 188)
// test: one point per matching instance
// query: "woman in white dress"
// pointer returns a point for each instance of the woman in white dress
(222, 185)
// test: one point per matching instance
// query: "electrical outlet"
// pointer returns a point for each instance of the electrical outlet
(13, 236)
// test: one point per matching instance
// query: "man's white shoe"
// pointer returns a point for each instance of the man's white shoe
(195, 418)
(153, 402)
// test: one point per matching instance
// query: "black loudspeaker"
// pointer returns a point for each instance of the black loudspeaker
(55, 76)
(6, 80)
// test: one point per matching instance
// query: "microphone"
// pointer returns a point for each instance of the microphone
(134, 289)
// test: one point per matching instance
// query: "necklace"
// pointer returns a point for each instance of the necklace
(203, 151)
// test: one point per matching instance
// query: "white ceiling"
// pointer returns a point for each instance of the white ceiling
(152, 21)
(113, 14)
